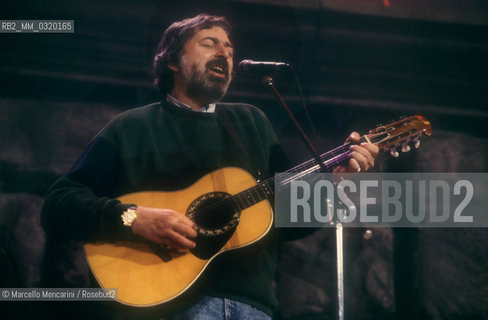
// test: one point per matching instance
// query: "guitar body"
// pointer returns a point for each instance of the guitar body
(142, 277)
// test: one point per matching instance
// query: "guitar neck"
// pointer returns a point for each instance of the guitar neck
(265, 190)
(388, 137)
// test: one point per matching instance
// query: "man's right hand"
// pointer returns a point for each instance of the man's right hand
(165, 226)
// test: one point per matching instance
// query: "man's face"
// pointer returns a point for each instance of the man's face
(205, 67)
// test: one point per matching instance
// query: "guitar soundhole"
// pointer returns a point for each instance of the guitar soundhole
(216, 221)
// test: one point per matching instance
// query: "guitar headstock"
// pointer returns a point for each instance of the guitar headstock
(399, 134)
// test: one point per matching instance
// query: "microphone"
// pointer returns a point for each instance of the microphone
(261, 67)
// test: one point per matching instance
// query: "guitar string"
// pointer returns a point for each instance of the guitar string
(330, 158)
(245, 194)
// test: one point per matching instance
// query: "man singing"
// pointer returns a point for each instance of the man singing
(167, 146)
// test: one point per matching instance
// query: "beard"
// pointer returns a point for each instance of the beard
(201, 84)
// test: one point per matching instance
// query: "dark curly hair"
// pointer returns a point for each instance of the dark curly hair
(173, 41)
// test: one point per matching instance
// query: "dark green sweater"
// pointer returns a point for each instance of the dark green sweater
(164, 147)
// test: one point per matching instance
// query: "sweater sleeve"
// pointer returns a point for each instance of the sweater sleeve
(82, 205)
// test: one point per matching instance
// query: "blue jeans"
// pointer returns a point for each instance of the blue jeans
(212, 308)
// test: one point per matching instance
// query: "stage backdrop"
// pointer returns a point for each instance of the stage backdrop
(360, 63)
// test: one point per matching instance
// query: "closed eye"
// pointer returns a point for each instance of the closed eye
(211, 42)
(208, 43)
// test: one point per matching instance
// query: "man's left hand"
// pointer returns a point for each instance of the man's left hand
(362, 156)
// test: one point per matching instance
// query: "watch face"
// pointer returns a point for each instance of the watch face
(129, 216)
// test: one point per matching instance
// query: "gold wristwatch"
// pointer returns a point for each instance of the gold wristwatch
(129, 215)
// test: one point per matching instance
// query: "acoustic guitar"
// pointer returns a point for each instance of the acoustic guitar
(231, 211)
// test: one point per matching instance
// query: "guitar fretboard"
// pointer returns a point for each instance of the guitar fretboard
(265, 190)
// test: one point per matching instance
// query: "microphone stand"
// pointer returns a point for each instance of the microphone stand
(340, 270)
(268, 81)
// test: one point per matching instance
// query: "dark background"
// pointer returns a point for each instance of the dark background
(359, 62)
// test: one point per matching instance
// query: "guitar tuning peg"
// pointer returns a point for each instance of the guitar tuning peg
(405, 147)
(416, 142)
(394, 153)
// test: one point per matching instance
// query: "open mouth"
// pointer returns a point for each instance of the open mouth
(218, 67)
